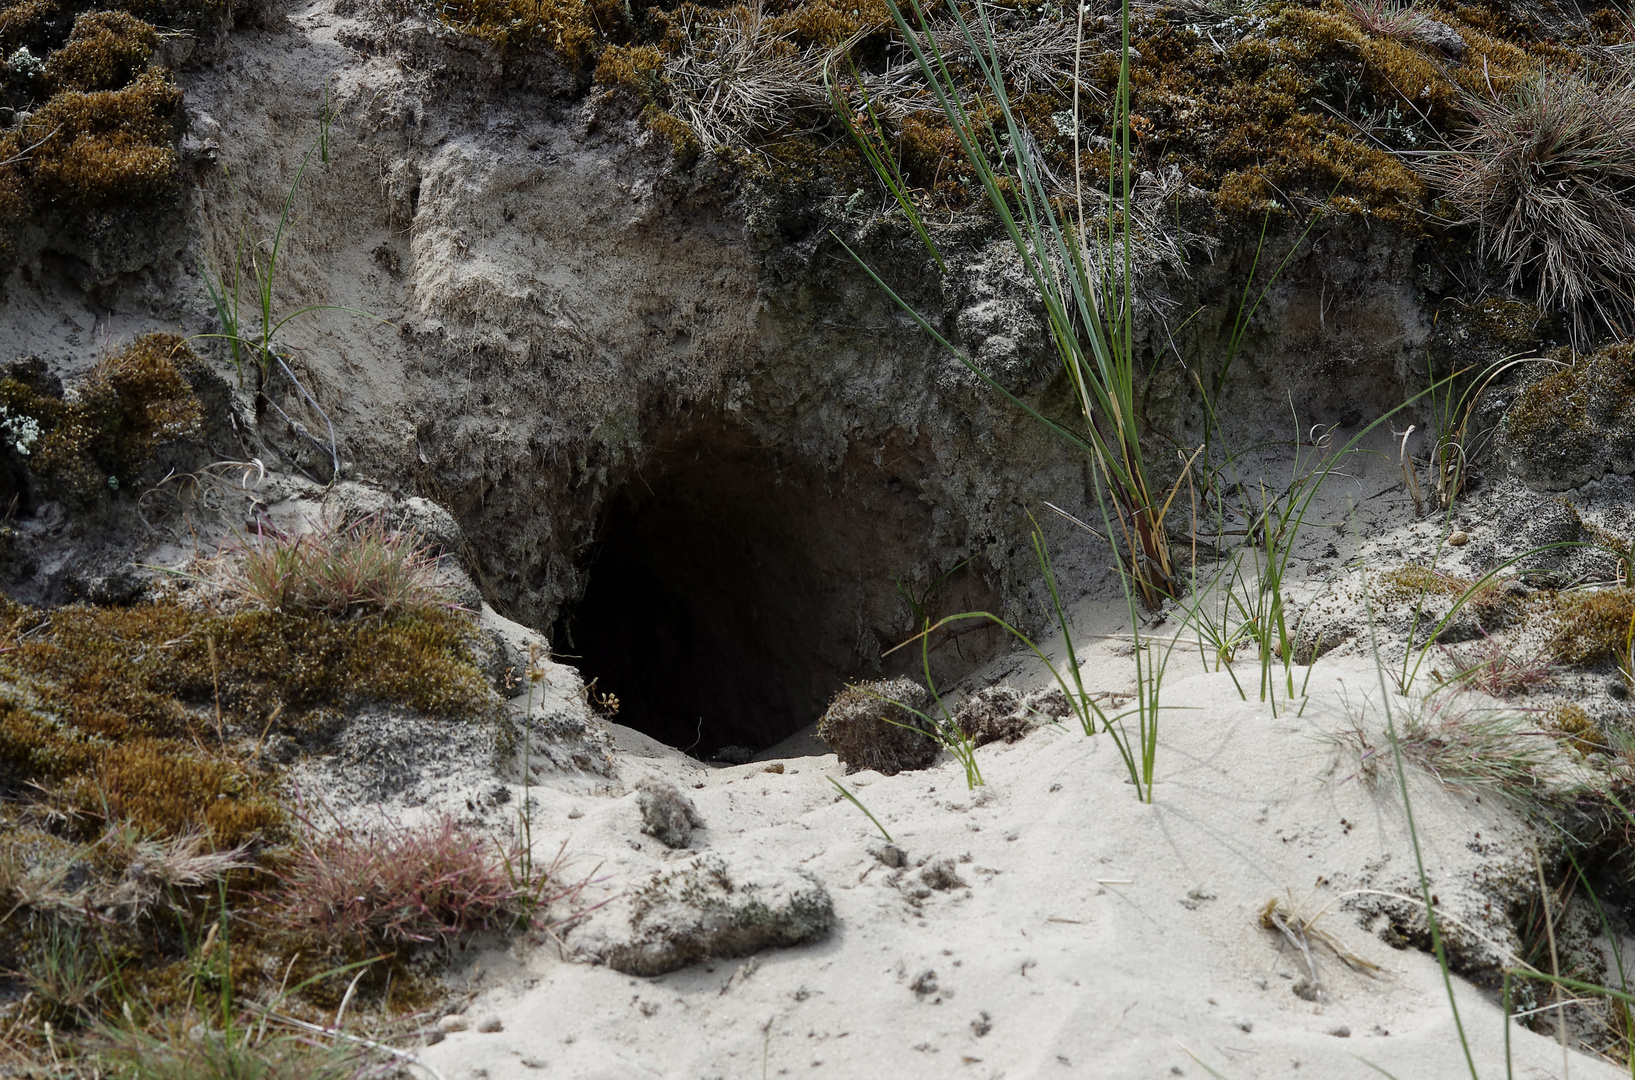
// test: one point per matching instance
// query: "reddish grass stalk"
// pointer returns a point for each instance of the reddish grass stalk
(395, 884)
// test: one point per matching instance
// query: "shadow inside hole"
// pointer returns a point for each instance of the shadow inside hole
(731, 596)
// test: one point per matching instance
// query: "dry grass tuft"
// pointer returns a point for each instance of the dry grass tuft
(1478, 750)
(367, 567)
(1546, 170)
(1389, 17)
(1496, 669)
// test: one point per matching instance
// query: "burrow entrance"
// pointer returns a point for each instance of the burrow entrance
(732, 591)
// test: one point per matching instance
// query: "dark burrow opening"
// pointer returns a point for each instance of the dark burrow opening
(732, 591)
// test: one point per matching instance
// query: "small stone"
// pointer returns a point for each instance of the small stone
(891, 855)
(1458, 538)
(452, 1022)
(1440, 35)
(433, 1037)
(667, 814)
(775, 767)
(576, 813)
(925, 983)
(490, 1024)
(1618, 689)
(1341, 1032)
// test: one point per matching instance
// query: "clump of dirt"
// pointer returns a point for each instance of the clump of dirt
(875, 725)
(707, 908)
(1005, 714)
(667, 814)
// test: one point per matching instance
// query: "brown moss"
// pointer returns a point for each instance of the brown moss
(120, 705)
(573, 29)
(133, 403)
(105, 51)
(825, 24)
(1413, 581)
(163, 787)
(1591, 627)
(31, 23)
(91, 150)
(1576, 729)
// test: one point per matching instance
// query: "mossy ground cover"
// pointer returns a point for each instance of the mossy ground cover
(102, 438)
(1273, 107)
(1560, 412)
(126, 733)
(102, 119)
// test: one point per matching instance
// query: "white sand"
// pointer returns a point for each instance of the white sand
(1096, 936)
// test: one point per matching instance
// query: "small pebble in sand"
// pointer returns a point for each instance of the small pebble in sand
(1341, 1032)
(1458, 538)
(576, 813)
(890, 855)
(453, 1022)
(490, 1025)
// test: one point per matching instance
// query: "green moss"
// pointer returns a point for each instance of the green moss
(1559, 413)
(105, 51)
(636, 68)
(1412, 581)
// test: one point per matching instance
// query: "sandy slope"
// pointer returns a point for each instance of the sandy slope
(1093, 935)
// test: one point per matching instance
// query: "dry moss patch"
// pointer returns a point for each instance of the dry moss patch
(149, 855)
(156, 715)
(1264, 111)
(1591, 627)
(105, 51)
(133, 403)
(572, 29)
(104, 122)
